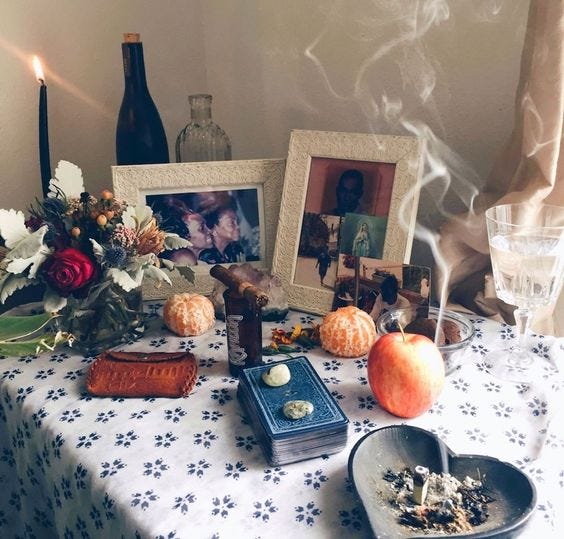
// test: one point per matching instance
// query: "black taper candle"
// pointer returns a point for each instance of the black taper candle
(44, 158)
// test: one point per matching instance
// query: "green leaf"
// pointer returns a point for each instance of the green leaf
(52, 301)
(137, 217)
(22, 348)
(13, 327)
(139, 262)
(187, 272)
(152, 272)
(33, 346)
(68, 179)
(12, 227)
(97, 249)
(174, 241)
(19, 265)
(93, 295)
(29, 246)
(285, 348)
(124, 279)
(167, 263)
(10, 283)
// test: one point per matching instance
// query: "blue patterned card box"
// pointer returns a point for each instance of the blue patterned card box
(304, 384)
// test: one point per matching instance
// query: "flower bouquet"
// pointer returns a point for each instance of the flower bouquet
(90, 254)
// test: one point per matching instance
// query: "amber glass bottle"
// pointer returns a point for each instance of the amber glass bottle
(243, 320)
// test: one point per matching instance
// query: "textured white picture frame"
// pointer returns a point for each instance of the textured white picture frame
(133, 183)
(403, 151)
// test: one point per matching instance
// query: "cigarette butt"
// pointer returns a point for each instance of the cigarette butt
(420, 484)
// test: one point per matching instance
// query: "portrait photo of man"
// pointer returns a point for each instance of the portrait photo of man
(350, 188)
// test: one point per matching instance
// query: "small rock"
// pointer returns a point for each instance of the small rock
(297, 409)
(276, 376)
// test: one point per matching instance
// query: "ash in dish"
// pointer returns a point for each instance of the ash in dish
(437, 502)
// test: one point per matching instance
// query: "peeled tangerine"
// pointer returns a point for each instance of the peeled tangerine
(188, 314)
(347, 332)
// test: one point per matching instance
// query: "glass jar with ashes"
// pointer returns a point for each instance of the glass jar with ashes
(243, 320)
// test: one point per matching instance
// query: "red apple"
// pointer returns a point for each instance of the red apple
(406, 373)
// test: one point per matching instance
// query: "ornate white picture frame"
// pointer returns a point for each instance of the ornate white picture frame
(135, 183)
(315, 161)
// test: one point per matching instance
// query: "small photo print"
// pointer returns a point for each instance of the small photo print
(377, 286)
(363, 235)
(316, 265)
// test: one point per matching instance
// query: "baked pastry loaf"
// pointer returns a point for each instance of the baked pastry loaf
(138, 374)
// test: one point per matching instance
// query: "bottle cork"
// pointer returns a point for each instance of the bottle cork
(131, 37)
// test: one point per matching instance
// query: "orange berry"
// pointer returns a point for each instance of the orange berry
(107, 194)
(75, 232)
(109, 214)
(102, 220)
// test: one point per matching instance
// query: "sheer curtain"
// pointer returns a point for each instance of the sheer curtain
(531, 166)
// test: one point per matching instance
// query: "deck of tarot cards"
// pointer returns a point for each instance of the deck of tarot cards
(285, 440)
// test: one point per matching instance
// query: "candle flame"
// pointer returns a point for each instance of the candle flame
(39, 75)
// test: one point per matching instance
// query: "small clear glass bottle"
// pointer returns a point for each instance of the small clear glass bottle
(202, 139)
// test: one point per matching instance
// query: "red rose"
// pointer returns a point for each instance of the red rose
(68, 270)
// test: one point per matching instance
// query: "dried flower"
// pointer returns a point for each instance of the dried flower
(151, 240)
(86, 242)
(126, 237)
(115, 256)
(75, 206)
(53, 207)
(283, 341)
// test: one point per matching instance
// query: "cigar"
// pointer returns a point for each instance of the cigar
(249, 291)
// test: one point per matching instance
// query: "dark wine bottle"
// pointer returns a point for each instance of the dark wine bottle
(140, 136)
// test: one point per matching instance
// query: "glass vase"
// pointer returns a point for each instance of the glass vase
(107, 317)
(202, 139)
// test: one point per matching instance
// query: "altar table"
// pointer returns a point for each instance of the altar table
(75, 466)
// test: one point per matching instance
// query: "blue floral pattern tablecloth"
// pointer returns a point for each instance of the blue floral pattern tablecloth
(73, 466)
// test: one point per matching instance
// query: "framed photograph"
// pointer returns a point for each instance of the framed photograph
(373, 180)
(227, 209)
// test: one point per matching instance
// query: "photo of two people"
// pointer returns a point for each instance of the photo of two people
(223, 226)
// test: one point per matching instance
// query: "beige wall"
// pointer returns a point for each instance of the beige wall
(79, 42)
(271, 66)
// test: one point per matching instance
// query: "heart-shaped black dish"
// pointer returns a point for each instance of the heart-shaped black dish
(400, 446)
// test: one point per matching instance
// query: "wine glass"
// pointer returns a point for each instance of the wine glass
(527, 251)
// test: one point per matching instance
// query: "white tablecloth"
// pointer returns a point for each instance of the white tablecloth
(74, 466)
